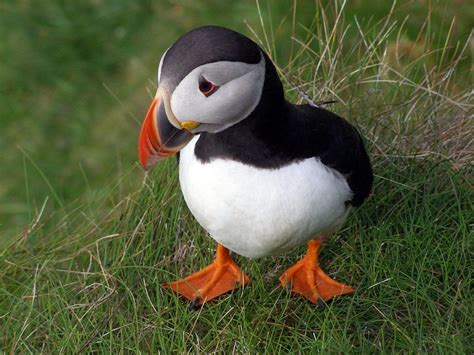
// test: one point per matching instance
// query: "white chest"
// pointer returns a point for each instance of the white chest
(257, 212)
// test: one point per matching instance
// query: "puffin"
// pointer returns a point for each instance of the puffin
(261, 175)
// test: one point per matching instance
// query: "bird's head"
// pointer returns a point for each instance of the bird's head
(209, 79)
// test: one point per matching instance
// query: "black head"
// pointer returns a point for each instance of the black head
(209, 80)
(203, 45)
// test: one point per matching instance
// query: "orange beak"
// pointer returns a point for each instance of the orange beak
(158, 137)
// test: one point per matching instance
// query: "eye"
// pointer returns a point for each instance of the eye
(206, 87)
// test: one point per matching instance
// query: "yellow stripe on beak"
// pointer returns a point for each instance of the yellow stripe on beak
(189, 124)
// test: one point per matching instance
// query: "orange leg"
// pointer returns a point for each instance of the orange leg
(309, 280)
(222, 276)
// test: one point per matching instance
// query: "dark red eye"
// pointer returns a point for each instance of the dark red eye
(206, 87)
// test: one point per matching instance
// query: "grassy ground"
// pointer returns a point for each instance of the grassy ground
(89, 239)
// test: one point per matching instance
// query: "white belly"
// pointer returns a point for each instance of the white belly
(257, 212)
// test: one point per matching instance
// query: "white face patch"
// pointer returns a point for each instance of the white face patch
(239, 92)
(161, 64)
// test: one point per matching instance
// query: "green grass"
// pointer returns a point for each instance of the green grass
(89, 239)
(99, 287)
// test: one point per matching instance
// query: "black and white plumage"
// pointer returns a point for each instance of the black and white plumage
(260, 174)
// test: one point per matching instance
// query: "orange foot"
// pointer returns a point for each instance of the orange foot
(309, 280)
(222, 276)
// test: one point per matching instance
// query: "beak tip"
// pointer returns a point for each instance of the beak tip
(144, 167)
(143, 155)
(148, 159)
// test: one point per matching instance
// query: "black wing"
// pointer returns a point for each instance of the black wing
(281, 135)
(339, 146)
